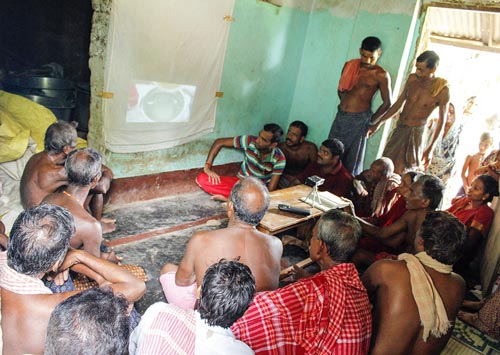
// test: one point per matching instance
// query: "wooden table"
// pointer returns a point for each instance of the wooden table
(276, 221)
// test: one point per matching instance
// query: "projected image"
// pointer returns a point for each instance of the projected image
(159, 102)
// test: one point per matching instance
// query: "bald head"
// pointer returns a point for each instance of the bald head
(386, 165)
(250, 200)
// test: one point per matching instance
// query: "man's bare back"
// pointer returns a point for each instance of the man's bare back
(396, 314)
(42, 175)
(261, 252)
(359, 98)
(88, 230)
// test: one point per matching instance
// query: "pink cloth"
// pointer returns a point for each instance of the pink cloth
(15, 282)
(223, 188)
(349, 75)
(181, 296)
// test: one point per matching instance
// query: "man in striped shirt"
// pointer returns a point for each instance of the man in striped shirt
(263, 160)
(328, 313)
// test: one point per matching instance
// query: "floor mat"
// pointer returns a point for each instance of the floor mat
(467, 340)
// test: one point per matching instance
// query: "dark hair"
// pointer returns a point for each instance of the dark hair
(411, 173)
(82, 166)
(386, 164)
(444, 236)
(341, 232)
(94, 321)
(371, 44)
(430, 58)
(275, 130)
(432, 189)
(250, 199)
(227, 290)
(300, 125)
(490, 186)
(39, 239)
(335, 146)
(59, 135)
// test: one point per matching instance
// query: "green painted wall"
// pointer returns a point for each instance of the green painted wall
(259, 78)
(282, 63)
(334, 37)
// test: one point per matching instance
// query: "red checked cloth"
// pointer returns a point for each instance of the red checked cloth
(328, 313)
(15, 282)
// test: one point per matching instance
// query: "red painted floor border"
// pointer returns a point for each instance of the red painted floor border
(155, 233)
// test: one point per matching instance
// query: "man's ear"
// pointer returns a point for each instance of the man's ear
(67, 149)
(230, 209)
(302, 139)
(94, 181)
(426, 202)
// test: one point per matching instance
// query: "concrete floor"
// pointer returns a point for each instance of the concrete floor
(155, 232)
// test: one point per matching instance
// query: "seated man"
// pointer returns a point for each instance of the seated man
(77, 326)
(83, 171)
(329, 166)
(44, 173)
(39, 246)
(425, 196)
(226, 292)
(417, 297)
(328, 313)
(376, 188)
(299, 153)
(247, 205)
(263, 160)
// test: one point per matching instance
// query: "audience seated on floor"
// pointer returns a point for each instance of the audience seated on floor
(299, 153)
(483, 315)
(473, 211)
(247, 205)
(263, 160)
(83, 170)
(227, 289)
(39, 247)
(94, 321)
(328, 313)
(44, 173)
(369, 247)
(425, 195)
(328, 165)
(417, 297)
(375, 188)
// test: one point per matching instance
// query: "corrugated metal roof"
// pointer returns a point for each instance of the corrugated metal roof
(470, 25)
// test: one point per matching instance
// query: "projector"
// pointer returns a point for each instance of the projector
(314, 181)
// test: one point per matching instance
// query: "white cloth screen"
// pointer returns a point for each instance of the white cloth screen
(163, 67)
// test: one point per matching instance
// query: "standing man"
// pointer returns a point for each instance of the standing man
(263, 159)
(417, 297)
(299, 153)
(423, 92)
(360, 80)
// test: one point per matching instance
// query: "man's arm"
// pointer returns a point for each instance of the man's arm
(273, 183)
(444, 100)
(385, 94)
(465, 168)
(401, 225)
(213, 177)
(105, 273)
(104, 183)
(393, 110)
(185, 274)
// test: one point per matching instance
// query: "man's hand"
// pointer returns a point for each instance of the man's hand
(213, 177)
(70, 260)
(59, 278)
(426, 158)
(299, 273)
(371, 131)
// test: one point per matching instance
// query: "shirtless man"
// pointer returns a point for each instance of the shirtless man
(400, 308)
(38, 246)
(44, 173)
(248, 202)
(425, 196)
(423, 92)
(359, 82)
(299, 153)
(83, 169)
